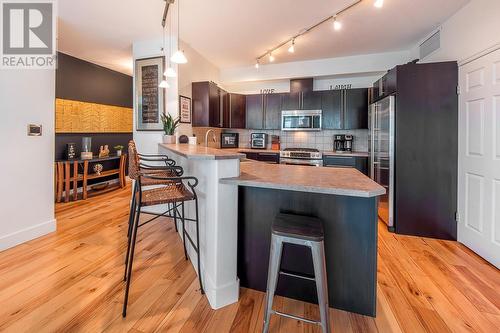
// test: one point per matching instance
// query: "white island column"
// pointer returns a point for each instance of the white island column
(218, 217)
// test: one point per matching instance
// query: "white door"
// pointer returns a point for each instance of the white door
(479, 157)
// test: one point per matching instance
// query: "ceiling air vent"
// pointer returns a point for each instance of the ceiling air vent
(430, 45)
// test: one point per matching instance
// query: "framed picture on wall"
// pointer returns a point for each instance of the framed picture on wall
(185, 109)
(150, 98)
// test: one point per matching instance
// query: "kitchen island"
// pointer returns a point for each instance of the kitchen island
(238, 203)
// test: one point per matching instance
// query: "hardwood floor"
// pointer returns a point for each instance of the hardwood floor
(71, 281)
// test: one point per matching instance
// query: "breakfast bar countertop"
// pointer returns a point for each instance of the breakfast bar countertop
(337, 181)
(199, 152)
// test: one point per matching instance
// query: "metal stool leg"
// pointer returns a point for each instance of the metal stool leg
(128, 272)
(198, 253)
(132, 210)
(171, 207)
(318, 255)
(184, 238)
(272, 278)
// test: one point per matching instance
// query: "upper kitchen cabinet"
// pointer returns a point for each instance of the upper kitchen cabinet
(214, 107)
(207, 104)
(264, 111)
(332, 111)
(255, 111)
(356, 108)
(307, 100)
(272, 111)
(237, 111)
(345, 109)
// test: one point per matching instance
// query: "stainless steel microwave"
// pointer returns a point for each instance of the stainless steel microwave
(301, 120)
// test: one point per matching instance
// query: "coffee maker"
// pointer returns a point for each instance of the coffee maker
(339, 142)
(348, 143)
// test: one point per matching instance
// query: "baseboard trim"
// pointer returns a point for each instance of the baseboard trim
(27, 234)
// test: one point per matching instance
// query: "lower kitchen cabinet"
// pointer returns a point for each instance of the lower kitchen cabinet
(358, 162)
(264, 157)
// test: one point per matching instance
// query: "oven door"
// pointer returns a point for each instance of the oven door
(301, 120)
(298, 161)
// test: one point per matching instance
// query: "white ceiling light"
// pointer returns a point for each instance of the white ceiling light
(336, 24)
(379, 3)
(271, 57)
(170, 72)
(257, 64)
(291, 49)
(164, 84)
(178, 57)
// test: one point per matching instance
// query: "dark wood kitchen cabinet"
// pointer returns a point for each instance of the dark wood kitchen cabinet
(272, 111)
(358, 162)
(331, 105)
(307, 100)
(237, 111)
(345, 109)
(264, 111)
(356, 108)
(264, 157)
(255, 111)
(206, 104)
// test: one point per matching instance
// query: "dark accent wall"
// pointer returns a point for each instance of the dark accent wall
(83, 81)
(80, 80)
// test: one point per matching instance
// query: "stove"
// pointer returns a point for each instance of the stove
(301, 156)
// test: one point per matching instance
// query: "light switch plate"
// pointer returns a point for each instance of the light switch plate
(34, 130)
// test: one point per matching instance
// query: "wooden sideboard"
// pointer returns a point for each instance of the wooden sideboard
(70, 172)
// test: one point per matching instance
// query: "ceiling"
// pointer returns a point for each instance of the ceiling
(233, 33)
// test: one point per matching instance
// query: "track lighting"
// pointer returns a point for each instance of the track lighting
(291, 49)
(336, 24)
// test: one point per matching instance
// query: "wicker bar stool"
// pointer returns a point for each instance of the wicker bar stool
(136, 164)
(171, 191)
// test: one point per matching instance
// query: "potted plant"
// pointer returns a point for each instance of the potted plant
(119, 149)
(169, 126)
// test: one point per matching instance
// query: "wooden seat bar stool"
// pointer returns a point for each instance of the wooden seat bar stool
(305, 231)
(169, 188)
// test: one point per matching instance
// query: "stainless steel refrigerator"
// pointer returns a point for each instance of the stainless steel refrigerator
(381, 123)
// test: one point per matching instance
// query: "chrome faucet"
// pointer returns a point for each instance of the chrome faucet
(206, 137)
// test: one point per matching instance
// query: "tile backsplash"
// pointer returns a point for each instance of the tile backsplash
(322, 140)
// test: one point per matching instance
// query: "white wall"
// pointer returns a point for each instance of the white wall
(197, 69)
(369, 63)
(26, 163)
(472, 29)
(322, 83)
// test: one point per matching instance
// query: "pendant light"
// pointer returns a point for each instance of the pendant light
(178, 57)
(170, 72)
(163, 84)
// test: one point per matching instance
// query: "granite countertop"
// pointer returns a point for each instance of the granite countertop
(201, 152)
(325, 153)
(338, 181)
